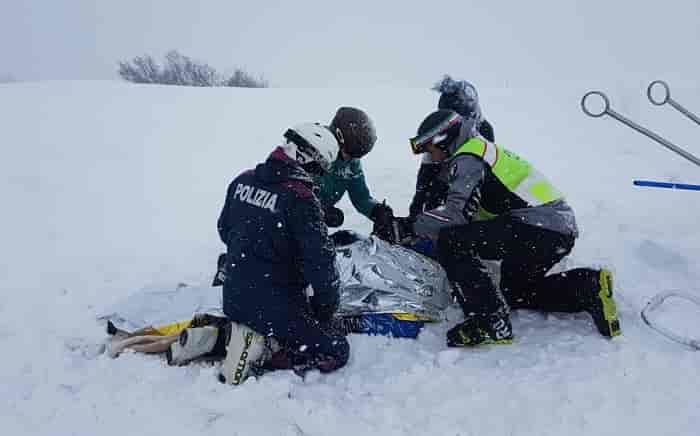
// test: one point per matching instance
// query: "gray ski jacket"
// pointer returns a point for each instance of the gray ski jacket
(475, 191)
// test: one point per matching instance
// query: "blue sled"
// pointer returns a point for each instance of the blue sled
(384, 325)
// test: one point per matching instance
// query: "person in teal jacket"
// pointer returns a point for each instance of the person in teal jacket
(356, 135)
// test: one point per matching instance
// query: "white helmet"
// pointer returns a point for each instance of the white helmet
(312, 145)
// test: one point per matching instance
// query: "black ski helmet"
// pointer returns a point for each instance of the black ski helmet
(460, 96)
(354, 130)
(441, 128)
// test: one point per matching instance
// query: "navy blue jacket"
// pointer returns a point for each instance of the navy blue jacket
(277, 244)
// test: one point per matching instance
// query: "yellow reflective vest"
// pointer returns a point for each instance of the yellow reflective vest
(514, 172)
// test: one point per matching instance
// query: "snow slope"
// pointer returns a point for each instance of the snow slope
(107, 187)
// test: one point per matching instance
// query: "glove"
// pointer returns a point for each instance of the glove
(333, 216)
(220, 274)
(382, 215)
(403, 230)
(342, 238)
(400, 231)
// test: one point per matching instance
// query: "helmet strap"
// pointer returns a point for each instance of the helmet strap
(339, 136)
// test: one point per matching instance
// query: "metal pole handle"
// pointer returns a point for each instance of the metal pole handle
(655, 302)
(606, 104)
(607, 110)
(667, 99)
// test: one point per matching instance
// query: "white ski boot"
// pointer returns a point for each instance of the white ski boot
(193, 342)
(245, 348)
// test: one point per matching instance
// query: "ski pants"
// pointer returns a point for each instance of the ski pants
(526, 253)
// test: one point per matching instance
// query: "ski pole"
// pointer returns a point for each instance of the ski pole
(655, 302)
(667, 99)
(629, 123)
(653, 184)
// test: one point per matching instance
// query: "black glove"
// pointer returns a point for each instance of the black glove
(220, 275)
(382, 213)
(383, 216)
(333, 216)
(342, 238)
(399, 231)
(403, 229)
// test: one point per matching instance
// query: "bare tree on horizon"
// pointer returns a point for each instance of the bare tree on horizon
(182, 70)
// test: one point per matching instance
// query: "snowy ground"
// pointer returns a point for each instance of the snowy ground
(108, 187)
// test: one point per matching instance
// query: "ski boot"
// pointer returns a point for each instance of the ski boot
(192, 343)
(481, 329)
(245, 352)
(599, 302)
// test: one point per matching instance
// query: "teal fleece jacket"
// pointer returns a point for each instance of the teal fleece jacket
(346, 176)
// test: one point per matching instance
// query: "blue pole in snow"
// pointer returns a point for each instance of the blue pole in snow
(652, 184)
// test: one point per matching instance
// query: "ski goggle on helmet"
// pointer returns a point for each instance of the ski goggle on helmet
(316, 147)
(439, 128)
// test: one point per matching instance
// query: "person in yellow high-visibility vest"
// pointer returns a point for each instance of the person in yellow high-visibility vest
(461, 97)
(499, 207)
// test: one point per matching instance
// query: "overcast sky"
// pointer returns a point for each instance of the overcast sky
(359, 42)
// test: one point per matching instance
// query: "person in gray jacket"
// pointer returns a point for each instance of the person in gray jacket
(461, 97)
(499, 207)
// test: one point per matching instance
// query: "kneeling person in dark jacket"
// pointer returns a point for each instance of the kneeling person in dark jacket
(282, 287)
